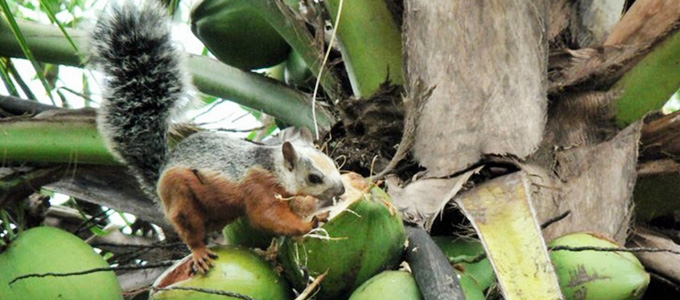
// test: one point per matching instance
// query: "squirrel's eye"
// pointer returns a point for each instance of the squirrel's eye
(315, 179)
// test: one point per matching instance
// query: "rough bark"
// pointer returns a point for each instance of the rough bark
(488, 69)
(595, 183)
(595, 20)
(663, 263)
(646, 20)
(661, 137)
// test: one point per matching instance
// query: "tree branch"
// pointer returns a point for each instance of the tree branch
(18, 106)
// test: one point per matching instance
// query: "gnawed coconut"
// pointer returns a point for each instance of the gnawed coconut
(364, 236)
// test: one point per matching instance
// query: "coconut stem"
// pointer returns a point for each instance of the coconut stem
(436, 278)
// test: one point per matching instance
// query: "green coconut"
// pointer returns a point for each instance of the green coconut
(237, 270)
(461, 251)
(52, 250)
(241, 233)
(596, 274)
(237, 35)
(401, 285)
(394, 285)
(364, 236)
(471, 287)
(296, 72)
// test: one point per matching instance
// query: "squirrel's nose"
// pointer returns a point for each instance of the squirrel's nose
(339, 190)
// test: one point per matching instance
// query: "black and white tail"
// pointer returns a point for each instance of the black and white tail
(144, 81)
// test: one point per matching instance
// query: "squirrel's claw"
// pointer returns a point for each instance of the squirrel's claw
(202, 260)
(322, 217)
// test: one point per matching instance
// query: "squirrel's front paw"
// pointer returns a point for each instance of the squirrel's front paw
(202, 260)
(321, 218)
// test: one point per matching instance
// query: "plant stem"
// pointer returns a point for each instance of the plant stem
(58, 139)
(371, 44)
(651, 83)
(257, 92)
(300, 39)
(210, 76)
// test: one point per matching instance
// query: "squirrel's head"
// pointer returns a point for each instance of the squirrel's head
(309, 171)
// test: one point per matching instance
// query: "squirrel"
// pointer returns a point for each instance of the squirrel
(209, 179)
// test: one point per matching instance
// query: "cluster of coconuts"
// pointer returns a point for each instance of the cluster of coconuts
(357, 252)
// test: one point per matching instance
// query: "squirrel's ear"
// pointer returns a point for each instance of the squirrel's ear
(297, 133)
(289, 155)
(306, 135)
(287, 134)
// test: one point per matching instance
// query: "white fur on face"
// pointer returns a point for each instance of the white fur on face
(312, 162)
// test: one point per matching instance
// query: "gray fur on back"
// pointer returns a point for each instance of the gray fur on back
(212, 147)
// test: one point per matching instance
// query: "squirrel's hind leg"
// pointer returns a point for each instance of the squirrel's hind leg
(178, 189)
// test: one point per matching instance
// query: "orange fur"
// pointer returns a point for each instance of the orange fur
(303, 206)
(200, 201)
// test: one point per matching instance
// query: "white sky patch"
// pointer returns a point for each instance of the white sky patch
(59, 199)
(673, 104)
(114, 217)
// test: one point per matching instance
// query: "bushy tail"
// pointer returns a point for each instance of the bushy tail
(144, 81)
